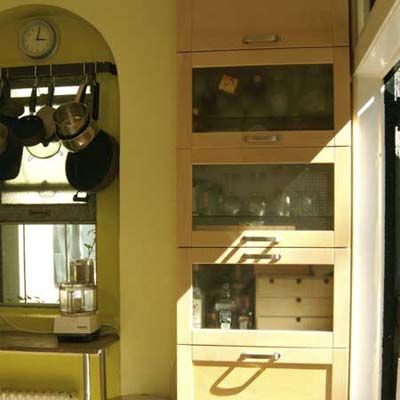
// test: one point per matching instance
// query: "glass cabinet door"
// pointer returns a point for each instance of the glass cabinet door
(271, 196)
(252, 297)
(263, 98)
(231, 197)
(264, 297)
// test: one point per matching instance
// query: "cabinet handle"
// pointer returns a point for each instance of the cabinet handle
(273, 356)
(272, 239)
(261, 139)
(260, 38)
(272, 257)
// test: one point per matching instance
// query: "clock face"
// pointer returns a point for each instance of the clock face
(38, 39)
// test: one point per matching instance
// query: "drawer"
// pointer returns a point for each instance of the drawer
(237, 25)
(296, 307)
(243, 373)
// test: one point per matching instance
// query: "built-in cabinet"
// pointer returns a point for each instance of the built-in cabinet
(264, 98)
(207, 25)
(264, 200)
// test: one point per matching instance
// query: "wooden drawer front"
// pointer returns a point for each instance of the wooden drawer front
(302, 374)
(217, 372)
(226, 24)
(311, 288)
(293, 307)
(292, 323)
(340, 135)
(286, 355)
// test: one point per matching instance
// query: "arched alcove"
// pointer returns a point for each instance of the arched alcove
(141, 34)
(80, 42)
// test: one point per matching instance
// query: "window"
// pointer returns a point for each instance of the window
(42, 228)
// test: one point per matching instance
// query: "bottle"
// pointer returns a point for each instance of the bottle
(226, 308)
(198, 301)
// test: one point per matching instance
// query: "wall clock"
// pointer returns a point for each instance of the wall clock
(38, 39)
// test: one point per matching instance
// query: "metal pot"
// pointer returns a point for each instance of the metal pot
(71, 117)
(95, 167)
(75, 126)
(82, 139)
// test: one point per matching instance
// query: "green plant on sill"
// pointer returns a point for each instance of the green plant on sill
(90, 247)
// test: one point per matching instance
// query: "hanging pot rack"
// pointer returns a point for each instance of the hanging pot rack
(58, 70)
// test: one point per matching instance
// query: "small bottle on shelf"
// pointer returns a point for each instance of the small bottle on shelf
(226, 309)
(197, 301)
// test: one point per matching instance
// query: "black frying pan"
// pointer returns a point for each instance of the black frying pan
(10, 159)
(94, 167)
(30, 130)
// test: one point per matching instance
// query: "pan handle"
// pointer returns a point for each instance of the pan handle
(33, 99)
(81, 197)
(95, 91)
(80, 95)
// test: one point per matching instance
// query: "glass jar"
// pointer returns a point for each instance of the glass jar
(78, 298)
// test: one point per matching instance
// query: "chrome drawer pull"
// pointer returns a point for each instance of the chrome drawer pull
(272, 239)
(261, 139)
(260, 38)
(272, 257)
(274, 356)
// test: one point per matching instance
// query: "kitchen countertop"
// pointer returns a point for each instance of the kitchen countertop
(48, 343)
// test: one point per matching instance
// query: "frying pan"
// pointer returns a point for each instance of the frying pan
(46, 114)
(10, 159)
(30, 130)
(94, 167)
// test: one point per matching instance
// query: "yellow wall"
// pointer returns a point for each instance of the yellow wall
(141, 34)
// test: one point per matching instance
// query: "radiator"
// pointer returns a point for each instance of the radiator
(8, 394)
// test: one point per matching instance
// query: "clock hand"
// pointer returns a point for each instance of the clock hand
(38, 38)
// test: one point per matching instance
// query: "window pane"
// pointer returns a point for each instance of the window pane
(12, 289)
(34, 259)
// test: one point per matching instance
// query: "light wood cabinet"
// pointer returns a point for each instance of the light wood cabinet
(264, 198)
(205, 25)
(264, 98)
(242, 373)
(300, 299)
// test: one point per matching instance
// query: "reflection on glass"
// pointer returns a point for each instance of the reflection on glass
(290, 196)
(259, 98)
(263, 297)
(34, 259)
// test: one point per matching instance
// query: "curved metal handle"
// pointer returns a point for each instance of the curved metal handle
(261, 139)
(272, 239)
(273, 356)
(261, 38)
(272, 257)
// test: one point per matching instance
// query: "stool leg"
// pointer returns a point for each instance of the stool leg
(103, 374)
(86, 377)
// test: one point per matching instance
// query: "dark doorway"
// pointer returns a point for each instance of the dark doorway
(391, 332)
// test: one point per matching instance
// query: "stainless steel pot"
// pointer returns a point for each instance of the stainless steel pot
(82, 139)
(75, 127)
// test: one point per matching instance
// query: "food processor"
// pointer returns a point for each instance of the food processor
(78, 318)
